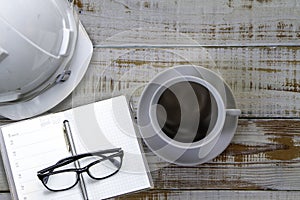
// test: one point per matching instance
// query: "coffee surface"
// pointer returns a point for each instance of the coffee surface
(184, 112)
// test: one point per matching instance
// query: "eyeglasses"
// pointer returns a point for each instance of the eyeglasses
(64, 175)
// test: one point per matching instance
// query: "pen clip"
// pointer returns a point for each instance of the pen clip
(68, 145)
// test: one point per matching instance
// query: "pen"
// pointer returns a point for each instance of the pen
(71, 148)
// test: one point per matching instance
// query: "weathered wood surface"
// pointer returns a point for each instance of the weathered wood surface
(208, 194)
(265, 81)
(211, 194)
(253, 44)
(261, 157)
(218, 22)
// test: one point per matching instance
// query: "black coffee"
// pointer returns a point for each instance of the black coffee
(187, 112)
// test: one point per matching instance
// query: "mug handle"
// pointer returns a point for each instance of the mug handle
(233, 112)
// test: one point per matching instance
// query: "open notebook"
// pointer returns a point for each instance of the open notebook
(31, 145)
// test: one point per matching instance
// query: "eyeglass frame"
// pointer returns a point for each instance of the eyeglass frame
(47, 172)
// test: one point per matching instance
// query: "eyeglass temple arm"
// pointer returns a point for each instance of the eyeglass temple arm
(98, 153)
(112, 159)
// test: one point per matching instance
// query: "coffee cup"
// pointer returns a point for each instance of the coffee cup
(186, 115)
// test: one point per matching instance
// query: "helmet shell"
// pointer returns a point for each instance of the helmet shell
(37, 43)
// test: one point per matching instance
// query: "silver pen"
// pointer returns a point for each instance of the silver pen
(72, 149)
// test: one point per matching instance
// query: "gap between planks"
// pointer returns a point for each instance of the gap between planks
(145, 46)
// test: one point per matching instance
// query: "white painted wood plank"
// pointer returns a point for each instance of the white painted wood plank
(263, 155)
(265, 81)
(206, 194)
(214, 194)
(218, 22)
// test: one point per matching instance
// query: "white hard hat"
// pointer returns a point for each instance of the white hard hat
(44, 53)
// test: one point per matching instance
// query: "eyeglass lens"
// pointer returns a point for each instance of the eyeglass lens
(61, 179)
(104, 168)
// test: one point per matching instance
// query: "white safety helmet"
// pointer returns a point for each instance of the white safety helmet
(44, 53)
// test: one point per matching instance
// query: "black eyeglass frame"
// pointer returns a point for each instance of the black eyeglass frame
(44, 174)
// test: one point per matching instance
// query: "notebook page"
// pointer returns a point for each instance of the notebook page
(104, 125)
(32, 145)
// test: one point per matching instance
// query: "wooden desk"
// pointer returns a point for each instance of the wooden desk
(253, 44)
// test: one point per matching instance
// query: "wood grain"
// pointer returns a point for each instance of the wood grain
(264, 80)
(211, 194)
(261, 157)
(244, 36)
(218, 22)
(253, 44)
(207, 194)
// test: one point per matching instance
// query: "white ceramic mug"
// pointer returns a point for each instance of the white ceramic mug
(190, 133)
(185, 115)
